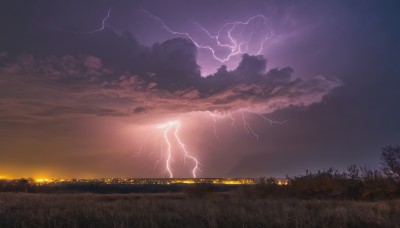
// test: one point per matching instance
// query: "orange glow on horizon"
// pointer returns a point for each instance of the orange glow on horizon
(283, 182)
(43, 180)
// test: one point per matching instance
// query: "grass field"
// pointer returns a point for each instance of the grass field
(177, 210)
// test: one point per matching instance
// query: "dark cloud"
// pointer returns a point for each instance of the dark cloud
(167, 79)
(113, 71)
(3, 54)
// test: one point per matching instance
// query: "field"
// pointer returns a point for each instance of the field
(178, 210)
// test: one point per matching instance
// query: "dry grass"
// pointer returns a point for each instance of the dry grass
(176, 210)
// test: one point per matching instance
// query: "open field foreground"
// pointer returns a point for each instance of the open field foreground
(177, 210)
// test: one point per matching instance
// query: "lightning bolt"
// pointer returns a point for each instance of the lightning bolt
(233, 125)
(168, 160)
(171, 139)
(234, 46)
(103, 23)
(214, 116)
(270, 121)
(166, 129)
(248, 127)
(142, 143)
(186, 153)
(220, 115)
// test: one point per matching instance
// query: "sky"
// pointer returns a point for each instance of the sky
(176, 88)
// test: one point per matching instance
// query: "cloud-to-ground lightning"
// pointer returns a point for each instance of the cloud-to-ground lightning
(170, 136)
(172, 146)
(167, 127)
(103, 23)
(234, 46)
(186, 152)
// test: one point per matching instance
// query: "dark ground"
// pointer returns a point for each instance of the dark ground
(227, 209)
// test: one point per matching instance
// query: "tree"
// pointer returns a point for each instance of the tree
(23, 185)
(391, 162)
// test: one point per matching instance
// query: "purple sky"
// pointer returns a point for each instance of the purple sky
(309, 85)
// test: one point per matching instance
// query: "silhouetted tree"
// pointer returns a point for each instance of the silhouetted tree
(353, 172)
(23, 185)
(391, 162)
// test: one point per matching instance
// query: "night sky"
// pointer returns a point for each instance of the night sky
(251, 88)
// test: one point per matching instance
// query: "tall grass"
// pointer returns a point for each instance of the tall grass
(177, 210)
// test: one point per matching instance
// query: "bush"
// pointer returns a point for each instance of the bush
(197, 190)
(391, 163)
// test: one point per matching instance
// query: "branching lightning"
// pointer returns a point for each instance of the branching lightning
(270, 121)
(167, 127)
(171, 144)
(214, 116)
(246, 125)
(234, 46)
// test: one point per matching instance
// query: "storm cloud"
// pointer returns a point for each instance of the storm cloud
(163, 78)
